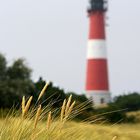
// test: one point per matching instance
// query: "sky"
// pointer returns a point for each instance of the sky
(52, 36)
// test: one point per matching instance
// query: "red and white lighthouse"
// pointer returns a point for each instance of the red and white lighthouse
(97, 84)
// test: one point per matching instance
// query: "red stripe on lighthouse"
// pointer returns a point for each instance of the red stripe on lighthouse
(97, 85)
(97, 71)
(97, 25)
(97, 76)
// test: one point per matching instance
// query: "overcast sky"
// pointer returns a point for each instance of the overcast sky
(52, 35)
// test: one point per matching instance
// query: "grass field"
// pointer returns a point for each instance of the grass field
(136, 114)
(17, 129)
(43, 124)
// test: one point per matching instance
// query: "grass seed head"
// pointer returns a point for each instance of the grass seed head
(37, 116)
(63, 110)
(114, 138)
(23, 104)
(43, 91)
(27, 105)
(71, 107)
(68, 104)
(49, 120)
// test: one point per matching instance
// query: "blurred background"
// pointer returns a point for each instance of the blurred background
(47, 41)
(52, 36)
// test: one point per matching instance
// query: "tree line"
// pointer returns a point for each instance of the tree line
(16, 82)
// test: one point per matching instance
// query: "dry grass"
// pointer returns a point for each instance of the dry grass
(37, 116)
(43, 91)
(39, 124)
(18, 129)
(25, 108)
(49, 120)
(135, 114)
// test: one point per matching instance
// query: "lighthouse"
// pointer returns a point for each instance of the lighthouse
(97, 82)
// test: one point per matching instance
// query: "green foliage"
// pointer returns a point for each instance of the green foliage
(80, 98)
(83, 102)
(3, 67)
(53, 94)
(19, 70)
(112, 114)
(131, 102)
(116, 112)
(14, 82)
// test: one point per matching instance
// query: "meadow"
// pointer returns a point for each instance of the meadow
(17, 129)
(45, 123)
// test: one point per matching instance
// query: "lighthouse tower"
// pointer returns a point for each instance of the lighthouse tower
(97, 85)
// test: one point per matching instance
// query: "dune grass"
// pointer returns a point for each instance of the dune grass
(18, 129)
(43, 124)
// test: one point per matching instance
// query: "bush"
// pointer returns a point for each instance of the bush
(131, 102)
(113, 114)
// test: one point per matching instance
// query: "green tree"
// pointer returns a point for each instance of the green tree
(3, 67)
(81, 98)
(19, 70)
(19, 78)
(15, 82)
(131, 101)
(53, 94)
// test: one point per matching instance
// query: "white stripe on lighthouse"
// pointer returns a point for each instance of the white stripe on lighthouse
(96, 49)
